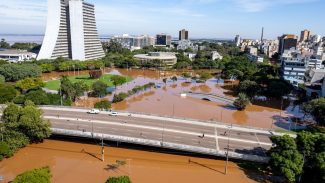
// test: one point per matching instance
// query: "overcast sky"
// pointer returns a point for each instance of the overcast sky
(203, 18)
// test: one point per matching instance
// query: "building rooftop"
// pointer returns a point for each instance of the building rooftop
(13, 52)
(157, 55)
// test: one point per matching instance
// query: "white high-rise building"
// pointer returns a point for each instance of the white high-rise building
(71, 31)
(237, 40)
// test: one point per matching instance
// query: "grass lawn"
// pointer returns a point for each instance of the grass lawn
(55, 84)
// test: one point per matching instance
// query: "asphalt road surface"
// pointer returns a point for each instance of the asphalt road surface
(201, 134)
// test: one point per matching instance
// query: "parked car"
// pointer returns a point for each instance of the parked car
(113, 114)
(93, 111)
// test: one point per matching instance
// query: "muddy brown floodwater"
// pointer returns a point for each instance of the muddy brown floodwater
(166, 100)
(76, 162)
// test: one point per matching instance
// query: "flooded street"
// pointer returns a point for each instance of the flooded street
(77, 162)
(166, 100)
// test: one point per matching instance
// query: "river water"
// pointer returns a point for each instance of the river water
(77, 162)
(167, 100)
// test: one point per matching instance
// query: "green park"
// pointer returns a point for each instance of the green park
(106, 78)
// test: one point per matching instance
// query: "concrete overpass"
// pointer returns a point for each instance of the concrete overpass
(204, 137)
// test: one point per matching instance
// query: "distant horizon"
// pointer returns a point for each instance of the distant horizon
(209, 19)
(109, 36)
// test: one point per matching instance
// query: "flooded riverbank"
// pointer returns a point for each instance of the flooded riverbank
(77, 162)
(166, 99)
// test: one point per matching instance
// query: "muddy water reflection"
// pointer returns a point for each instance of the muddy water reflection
(76, 162)
(166, 100)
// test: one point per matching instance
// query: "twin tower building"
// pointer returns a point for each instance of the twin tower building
(71, 31)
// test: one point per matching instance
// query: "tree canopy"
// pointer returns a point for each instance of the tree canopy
(30, 84)
(317, 109)
(16, 72)
(118, 80)
(285, 158)
(41, 175)
(121, 179)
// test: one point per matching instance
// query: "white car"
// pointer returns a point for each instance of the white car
(93, 111)
(113, 114)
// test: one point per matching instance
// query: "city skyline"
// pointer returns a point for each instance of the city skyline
(203, 18)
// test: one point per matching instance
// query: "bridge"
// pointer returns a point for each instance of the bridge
(202, 137)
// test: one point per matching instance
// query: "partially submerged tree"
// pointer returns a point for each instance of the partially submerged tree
(241, 102)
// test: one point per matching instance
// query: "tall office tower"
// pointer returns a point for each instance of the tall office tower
(71, 31)
(262, 35)
(237, 40)
(163, 40)
(183, 34)
(286, 42)
(304, 36)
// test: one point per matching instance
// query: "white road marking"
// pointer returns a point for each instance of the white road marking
(152, 128)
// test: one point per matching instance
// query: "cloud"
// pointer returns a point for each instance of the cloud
(260, 5)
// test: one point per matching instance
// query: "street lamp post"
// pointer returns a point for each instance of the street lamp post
(103, 148)
(162, 134)
(61, 100)
(227, 154)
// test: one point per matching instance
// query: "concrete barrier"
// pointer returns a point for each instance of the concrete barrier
(156, 143)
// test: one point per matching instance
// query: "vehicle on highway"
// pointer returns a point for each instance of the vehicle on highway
(113, 114)
(93, 111)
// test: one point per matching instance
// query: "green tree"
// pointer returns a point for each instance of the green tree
(38, 97)
(4, 44)
(16, 72)
(72, 90)
(47, 68)
(25, 46)
(118, 80)
(119, 97)
(241, 102)
(250, 88)
(306, 142)
(7, 93)
(165, 80)
(285, 158)
(2, 79)
(67, 88)
(27, 120)
(278, 88)
(204, 76)
(114, 47)
(122, 179)
(103, 105)
(99, 88)
(4, 150)
(186, 75)
(30, 84)
(41, 175)
(317, 109)
(174, 78)
(15, 140)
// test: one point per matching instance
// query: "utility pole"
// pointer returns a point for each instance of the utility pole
(103, 147)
